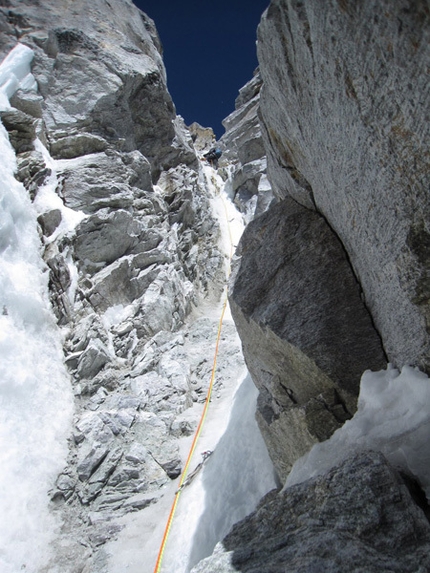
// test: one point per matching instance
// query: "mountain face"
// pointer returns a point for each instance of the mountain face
(325, 156)
(343, 121)
(332, 278)
(132, 247)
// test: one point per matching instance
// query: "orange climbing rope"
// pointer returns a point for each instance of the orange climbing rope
(199, 427)
(193, 447)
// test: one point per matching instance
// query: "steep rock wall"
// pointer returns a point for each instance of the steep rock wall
(343, 110)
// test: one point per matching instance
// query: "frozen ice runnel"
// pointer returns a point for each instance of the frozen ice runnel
(35, 390)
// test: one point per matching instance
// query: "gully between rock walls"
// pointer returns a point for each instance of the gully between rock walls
(235, 476)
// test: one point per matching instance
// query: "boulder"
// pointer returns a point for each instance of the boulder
(122, 282)
(92, 360)
(28, 102)
(49, 221)
(104, 180)
(32, 171)
(203, 137)
(358, 517)
(21, 128)
(105, 237)
(87, 466)
(153, 434)
(307, 336)
(77, 145)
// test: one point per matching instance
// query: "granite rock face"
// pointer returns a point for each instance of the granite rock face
(343, 113)
(245, 153)
(359, 517)
(332, 279)
(342, 109)
(122, 101)
(307, 336)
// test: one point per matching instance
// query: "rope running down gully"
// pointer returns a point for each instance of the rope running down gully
(202, 418)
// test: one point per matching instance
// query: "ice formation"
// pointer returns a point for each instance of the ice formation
(15, 73)
(35, 392)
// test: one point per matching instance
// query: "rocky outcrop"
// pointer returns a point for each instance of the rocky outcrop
(358, 517)
(343, 108)
(122, 101)
(307, 336)
(245, 153)
(203, 137)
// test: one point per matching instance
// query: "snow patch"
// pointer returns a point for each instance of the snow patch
(393, 417)
(47, 199)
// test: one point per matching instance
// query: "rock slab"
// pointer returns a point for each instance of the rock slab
(358, 517)
(343, 109)
(307, 336)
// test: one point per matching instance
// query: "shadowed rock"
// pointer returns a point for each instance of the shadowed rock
(358, 517)
(307, 336)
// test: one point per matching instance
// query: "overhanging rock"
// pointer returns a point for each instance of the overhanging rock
(307, 335)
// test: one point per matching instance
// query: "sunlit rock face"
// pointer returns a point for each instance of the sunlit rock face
(103, 85)
(244, 150)
(343, 108)
(358, 517)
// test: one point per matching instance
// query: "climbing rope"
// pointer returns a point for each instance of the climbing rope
(202, 418)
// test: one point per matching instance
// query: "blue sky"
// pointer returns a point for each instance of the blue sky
(209, 53)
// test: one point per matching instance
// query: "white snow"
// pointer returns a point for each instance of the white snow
(393, 417)
(228, 487)
(236, 476)
(35, 392)
(47, 199)
(229, 218)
